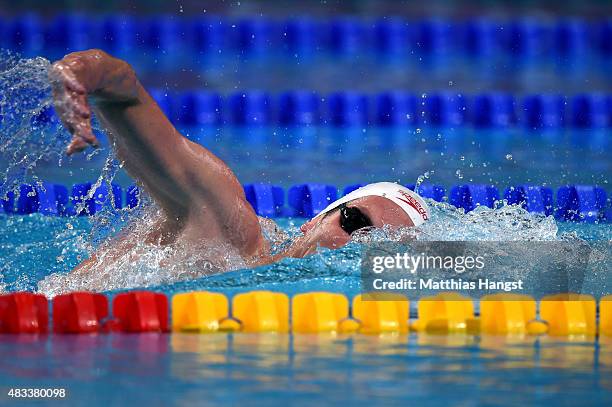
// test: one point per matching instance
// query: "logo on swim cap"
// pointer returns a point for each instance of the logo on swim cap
(409, 201)
(414, 203)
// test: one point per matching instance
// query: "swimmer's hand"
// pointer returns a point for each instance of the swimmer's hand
(70, 101)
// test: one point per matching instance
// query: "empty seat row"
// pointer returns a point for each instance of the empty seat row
(387, 109)
(55, 199)
(574, 202)
(303, 36)
(585, 203)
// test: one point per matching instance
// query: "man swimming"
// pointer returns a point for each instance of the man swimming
(200, 197)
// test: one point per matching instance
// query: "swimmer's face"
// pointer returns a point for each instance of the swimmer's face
(325, 231)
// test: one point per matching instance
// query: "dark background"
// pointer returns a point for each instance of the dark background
(369, 8)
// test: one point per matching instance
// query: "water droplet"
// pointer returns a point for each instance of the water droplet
(509, 157)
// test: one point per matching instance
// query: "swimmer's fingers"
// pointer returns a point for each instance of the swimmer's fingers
(71, 106)
(61, 75)
(82, 138)
(75, 114)
(70, 101)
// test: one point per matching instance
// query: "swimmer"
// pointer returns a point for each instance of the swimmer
(199, 195)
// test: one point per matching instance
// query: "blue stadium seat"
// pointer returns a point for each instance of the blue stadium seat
(590, 111)
(132, 196)
(28, 200)
(267, 200)
(396, 108)
(571, 37)
(444, 109)
(68, 33)
(301, 36)
(394, 36)
(469, 197)
(585, 203)
(52, 199)
(347, 36)
(436, 37)
(25, 34)
(534, 198)
(299, 108)
(481, 37)
(254, 36)
(209, 35)
(117, 34)
(250, 108)
(348, 109)
(543, 111)
(527, 38)
(426, 190)
(198, 108)
(494, 109)
(307, 200)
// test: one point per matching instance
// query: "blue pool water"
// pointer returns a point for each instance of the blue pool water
(182, 369)
(450, 156)
(37, 252)
(502, 155)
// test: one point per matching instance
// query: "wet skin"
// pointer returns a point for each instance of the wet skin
(200, 197)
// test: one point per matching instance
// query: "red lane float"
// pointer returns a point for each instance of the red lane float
(24, 313)
(139, 311)
(80, 312)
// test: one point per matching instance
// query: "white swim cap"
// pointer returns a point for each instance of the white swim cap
(410, 202)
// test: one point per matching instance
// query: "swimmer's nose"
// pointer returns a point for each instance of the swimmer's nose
(306, 227)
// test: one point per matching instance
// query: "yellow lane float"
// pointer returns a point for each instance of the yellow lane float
(199, 311)
(320, 312)
(374, 313)
(508, 314)
(444, 313)
(569, 314)
(261, 311)
(378, 313)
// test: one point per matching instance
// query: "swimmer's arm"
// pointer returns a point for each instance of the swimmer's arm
(85, 74)
(184, 178)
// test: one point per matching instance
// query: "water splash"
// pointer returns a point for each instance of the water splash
(42, 261)
(146, 264)
(422, 178)
(32, 139)
(31, 135)
(505, 223)
(124, 257)
(339, 270)
(28, 135)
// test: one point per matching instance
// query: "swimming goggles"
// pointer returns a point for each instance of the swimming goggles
(352, 219)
